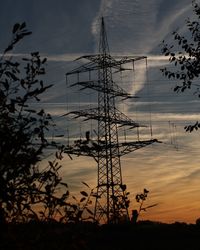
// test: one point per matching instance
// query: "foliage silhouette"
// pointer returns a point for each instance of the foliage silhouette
(198, 222)
(121, 202)
(141, 198)
(187, 60)
(26, 192)
(146, 235)
(80, 210)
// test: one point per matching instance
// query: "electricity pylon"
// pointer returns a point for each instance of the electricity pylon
(111, 202)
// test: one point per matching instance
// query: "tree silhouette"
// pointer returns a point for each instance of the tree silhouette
(187, 60)
(23, 129)
(27, 191)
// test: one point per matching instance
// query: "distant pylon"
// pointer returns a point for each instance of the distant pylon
(111, 203)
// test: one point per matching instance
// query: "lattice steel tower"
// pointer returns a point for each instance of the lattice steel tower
(111, 203)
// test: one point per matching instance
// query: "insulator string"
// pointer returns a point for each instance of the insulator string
(123, 106)
(148, 94)
(67, 108)
(173, 135)
(136, 111)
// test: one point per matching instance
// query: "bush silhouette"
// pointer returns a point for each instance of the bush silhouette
(23, 133)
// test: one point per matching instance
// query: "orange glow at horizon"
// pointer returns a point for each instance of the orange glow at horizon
(171, 177)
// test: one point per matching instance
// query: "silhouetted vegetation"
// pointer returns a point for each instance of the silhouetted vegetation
(89, 236)
(22, 129)
(28, 191)
(186, 60)
(141, 198)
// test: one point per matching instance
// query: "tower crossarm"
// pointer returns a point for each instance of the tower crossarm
(93, 148)
(80, 148)
(108, 61)
(88, 67)
(118, 118)
(112, 60)
(113, 90)
(128, 147)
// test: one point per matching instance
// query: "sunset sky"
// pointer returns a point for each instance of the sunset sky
(64, 30)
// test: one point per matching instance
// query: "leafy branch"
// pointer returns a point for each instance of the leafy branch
(141, 198)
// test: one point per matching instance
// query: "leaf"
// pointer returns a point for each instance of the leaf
(176, 88)
(41, 112)
(123, 187)
(15, 28)
(85, 184)
(25, 59)
(35, 53)
(84, 193)
(82, 199)
(182, 67)
(26, 33)
(74, 198)
(187, 128)
(142, 197)
(89, 211)
(51, 164)
(22, 26)
(64, 196)
(10, 47)
(74, 206)
(11, 75)
(96, 195)
(151, 206)
(137, 197)
(44, 60)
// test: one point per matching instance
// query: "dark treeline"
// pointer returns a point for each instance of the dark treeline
(89, 236)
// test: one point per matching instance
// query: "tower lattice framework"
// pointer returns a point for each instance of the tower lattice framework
(111, 202)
